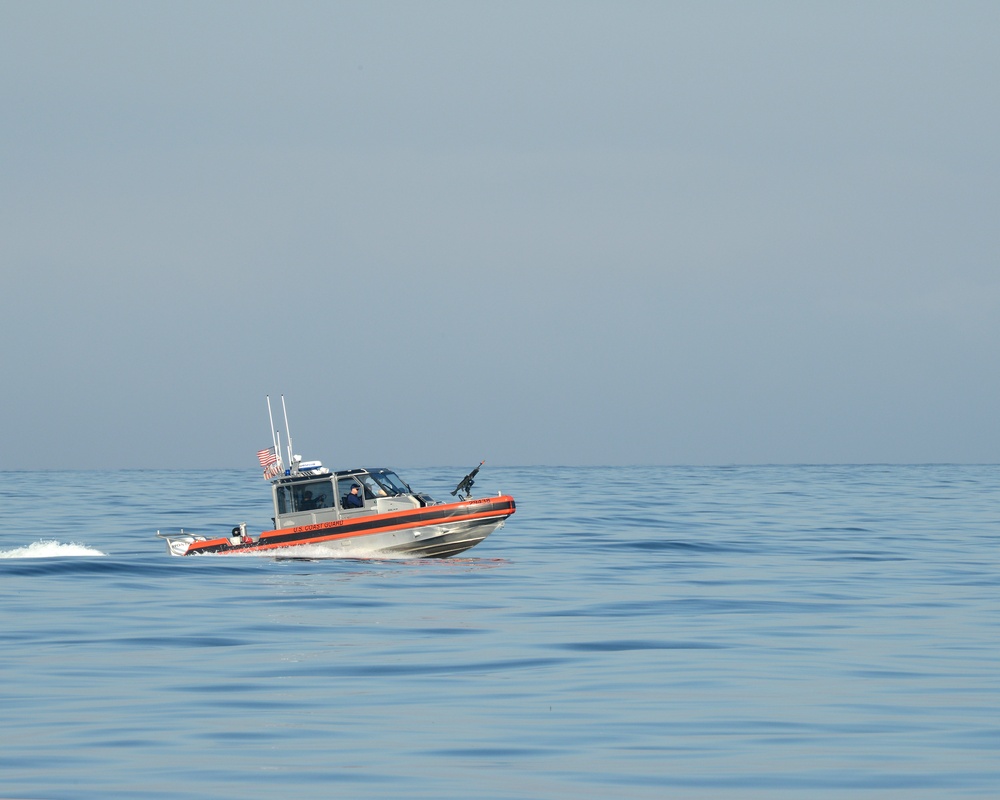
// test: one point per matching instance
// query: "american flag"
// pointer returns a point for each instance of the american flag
(272, 471)
(266, 457)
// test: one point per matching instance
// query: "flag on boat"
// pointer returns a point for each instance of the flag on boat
(267, 457)
(272, 471)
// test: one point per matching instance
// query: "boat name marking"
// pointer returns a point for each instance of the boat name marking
(319, 526)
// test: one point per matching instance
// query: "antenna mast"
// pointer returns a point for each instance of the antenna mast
(288, 433)
(274, 433)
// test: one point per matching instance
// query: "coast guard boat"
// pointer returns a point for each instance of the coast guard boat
(364, 513)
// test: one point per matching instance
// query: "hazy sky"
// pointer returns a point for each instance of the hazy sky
(536, 233)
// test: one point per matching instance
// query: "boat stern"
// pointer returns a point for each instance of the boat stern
(178, 543)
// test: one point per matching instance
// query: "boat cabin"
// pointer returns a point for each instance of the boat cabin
(314, 495)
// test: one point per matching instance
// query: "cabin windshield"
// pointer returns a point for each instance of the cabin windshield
(390, 482)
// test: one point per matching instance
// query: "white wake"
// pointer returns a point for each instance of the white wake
(51, 549)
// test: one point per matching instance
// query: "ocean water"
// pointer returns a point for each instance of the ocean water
(646, 632)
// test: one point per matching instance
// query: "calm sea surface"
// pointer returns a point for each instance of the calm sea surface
(642, 632)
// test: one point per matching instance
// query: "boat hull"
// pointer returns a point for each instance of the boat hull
(437, 531)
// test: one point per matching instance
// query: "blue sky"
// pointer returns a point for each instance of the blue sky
(536, 233)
